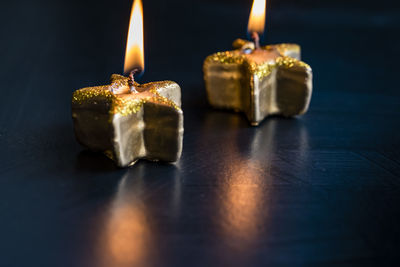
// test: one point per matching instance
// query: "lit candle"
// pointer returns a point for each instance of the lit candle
(259, 80)
(126, 120)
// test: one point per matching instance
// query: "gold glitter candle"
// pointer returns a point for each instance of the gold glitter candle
(129, 121)
(258, 80)
(126, 125)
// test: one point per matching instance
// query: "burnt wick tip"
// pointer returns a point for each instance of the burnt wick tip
(131, 80)
(132, 75)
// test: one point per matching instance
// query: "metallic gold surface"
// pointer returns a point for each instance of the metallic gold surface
(128, 125)
(259, 82)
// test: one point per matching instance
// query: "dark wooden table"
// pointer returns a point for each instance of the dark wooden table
(322, 189)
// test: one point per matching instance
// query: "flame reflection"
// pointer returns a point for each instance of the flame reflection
(126, 237)
(251, 163)
(241, 200)
(241, 194)
(127, 232)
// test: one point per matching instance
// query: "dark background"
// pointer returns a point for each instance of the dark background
(319, 190)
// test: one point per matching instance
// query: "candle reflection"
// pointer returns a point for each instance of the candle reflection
(243, 206)
(250, 167)
(241, 192)
(240, 206)
(127, 231)
(126, 235)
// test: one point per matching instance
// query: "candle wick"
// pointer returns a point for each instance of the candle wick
(256, 39)
(131, 80)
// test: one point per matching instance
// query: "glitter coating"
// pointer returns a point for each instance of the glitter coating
(261, 70)
(130, 122)
(125, 103)
(271, 80)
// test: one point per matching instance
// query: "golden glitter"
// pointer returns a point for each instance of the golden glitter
(124, 104)
(227, 57)
(261, 70)
(289, 62)
(84, 94)
(283, 49)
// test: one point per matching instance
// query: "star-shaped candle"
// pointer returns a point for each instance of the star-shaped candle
(258, 80)
(126, 120)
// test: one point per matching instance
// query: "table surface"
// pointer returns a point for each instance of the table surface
(321, 189)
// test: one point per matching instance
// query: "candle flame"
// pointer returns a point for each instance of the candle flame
(257, 17)
(134, 55)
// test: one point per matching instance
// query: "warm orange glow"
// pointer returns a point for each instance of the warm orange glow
(134, 55)
(125, 237)
(241, 203)
(257, 17)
